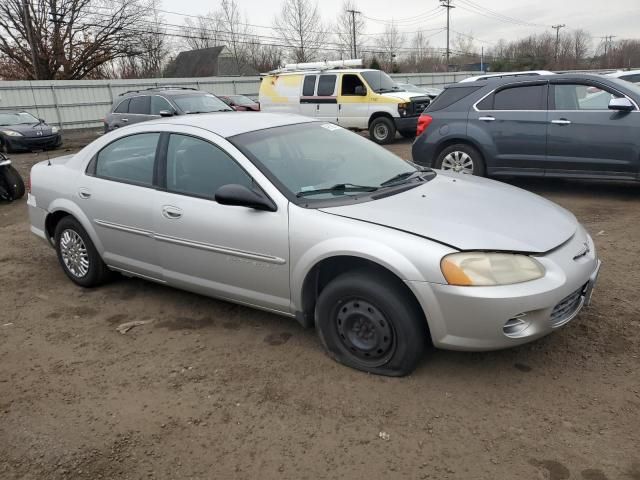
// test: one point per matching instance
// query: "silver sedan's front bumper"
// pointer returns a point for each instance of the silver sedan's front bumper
(490, 318)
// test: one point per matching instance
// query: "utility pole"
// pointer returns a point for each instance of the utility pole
(607, 48)
(353, 31)
(26, 17)
(558, 27)
(447, 4)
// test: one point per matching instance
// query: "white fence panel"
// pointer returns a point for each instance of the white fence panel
(75, 104)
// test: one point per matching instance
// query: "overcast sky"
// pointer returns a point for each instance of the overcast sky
(600, 18)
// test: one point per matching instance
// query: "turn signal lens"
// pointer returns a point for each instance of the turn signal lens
(423, 122)
(486, 268)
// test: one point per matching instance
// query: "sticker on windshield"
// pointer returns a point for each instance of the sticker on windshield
(330, 126)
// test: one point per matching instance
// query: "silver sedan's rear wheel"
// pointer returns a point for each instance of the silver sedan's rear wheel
(74, 253)
(77, 255)
(461, 158)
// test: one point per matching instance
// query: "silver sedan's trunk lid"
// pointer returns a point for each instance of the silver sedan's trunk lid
(470, 213)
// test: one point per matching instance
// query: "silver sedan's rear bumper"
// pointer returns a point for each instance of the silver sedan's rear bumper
(490, 318)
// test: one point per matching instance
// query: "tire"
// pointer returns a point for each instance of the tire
(369, 322)
(13, 181)
(382, 130)
(72, 239)
(461, 158)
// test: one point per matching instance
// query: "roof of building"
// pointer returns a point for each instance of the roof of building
(206, 62)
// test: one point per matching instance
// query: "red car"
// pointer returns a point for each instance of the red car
(240, 103)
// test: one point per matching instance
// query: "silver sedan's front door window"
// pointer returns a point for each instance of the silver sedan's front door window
(234, 252)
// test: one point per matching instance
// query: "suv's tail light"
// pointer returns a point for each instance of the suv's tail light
(423, 122)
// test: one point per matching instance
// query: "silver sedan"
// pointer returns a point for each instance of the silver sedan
(306, 219)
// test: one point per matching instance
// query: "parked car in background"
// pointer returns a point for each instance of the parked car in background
(308, 220)
(632, 76)
(569, 125)
(524, 73)
(240, 103)
(355, 98)
(432, 92)
(19, 130)
(142, 105)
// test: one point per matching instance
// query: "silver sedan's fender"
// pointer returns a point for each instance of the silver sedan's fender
(68, 206)
(316, 236)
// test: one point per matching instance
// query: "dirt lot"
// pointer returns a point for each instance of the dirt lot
(214, 390)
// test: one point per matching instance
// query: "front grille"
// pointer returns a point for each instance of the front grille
(567, 308)
(419, 104)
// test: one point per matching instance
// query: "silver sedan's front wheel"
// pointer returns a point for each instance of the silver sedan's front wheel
(461, 158)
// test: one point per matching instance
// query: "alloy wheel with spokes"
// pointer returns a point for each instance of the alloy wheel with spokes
(459, 162)
(74, 253)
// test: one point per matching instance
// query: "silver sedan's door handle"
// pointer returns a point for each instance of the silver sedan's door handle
(487, 119)
(125, 120)
(84, 193)
(171, 212)
(561, 121)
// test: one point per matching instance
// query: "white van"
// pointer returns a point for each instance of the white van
(355, 98)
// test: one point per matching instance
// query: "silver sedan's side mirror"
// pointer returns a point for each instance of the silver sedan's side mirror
(166, 113)
(622, 104)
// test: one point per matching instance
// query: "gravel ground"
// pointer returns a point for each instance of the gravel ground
(209, 389)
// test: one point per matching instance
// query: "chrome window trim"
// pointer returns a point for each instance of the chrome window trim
(550, 83)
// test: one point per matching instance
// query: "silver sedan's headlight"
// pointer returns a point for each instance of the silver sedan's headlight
(486, 268)
(11, 133)
(55, 129)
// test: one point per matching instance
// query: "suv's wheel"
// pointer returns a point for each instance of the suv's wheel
(461, 158)
(382, 130)
(369, 322)
(77, 254)
(13, 182)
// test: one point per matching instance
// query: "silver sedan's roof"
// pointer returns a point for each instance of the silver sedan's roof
(228, 124)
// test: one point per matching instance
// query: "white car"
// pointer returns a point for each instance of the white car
(632, 76)
(506, 74)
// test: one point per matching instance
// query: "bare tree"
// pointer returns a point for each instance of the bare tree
(300, 28)
(68, 39)
(263, 57)
(581, 46)
(235, 32)
(204, 32)
(389, 43)
(151, 49)
(345, 26)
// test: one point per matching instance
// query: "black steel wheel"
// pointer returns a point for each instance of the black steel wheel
(365, 331)
(370, 321)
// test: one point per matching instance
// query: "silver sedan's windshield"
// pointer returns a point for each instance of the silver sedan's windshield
(321, 160)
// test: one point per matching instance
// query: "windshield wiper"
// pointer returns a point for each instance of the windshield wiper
(337, 188)
(403, 177)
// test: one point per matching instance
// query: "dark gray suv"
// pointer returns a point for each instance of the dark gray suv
(140, 105)
(571, 125)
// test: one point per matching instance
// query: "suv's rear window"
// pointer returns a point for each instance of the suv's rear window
(450, 96)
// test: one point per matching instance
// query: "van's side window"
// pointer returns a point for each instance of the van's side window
(326, 85)
(349, 84)
(309, 86)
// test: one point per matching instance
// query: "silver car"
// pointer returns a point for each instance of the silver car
(306, 219)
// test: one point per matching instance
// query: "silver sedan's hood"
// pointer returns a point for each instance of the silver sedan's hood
(470, 213)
